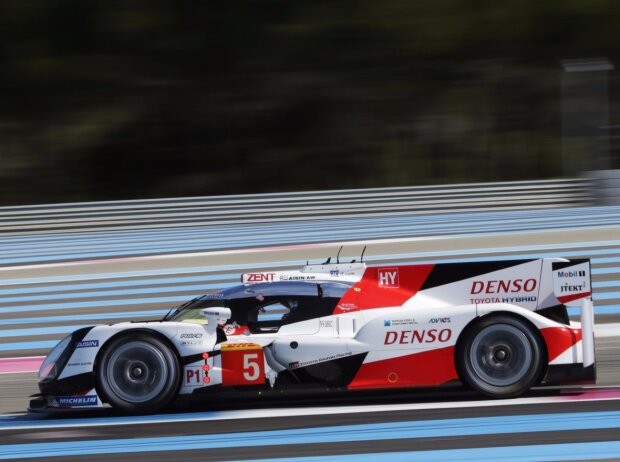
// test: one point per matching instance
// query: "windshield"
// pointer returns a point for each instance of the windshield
(190, 311)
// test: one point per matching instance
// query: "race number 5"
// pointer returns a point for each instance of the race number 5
(251, 368)
(242, 364)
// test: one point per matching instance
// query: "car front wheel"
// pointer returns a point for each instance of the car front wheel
(138, 374)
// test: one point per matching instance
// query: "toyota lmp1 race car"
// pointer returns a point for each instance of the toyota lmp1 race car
(498, 327)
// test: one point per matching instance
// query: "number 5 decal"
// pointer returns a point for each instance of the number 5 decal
(251, 369)
(242, 364)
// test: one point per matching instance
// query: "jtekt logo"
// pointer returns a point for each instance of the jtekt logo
(388, 277)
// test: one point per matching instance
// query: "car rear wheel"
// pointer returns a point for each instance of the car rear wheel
(501, 356)
(138, 374)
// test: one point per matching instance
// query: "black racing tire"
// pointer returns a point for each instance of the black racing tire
(138, 374)
(501, 356)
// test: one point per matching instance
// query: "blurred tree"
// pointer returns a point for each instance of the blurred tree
(130, 99)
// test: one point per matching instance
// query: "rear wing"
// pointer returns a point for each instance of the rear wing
(571, 280)
(572, 285)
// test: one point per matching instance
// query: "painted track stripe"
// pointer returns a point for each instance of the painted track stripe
(25, 346)
(335, 434)
(84, 317)
(15, 365)
(110, 293)
(590, 394)
(519, 251)
(535, 453)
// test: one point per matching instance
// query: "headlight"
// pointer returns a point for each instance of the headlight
(51, 366)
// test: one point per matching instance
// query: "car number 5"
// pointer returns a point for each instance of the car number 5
(251, 368)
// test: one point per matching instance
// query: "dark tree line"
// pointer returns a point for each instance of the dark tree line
(158, 98)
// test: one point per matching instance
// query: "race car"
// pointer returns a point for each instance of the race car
(499, 327)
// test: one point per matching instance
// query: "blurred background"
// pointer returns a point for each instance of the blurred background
(162, 98)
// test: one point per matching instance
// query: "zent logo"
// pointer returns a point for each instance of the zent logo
(260, 277)
(388, 277)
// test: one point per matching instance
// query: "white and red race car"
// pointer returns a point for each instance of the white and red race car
(499, 327)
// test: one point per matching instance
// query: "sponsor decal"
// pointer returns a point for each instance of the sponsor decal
(213, 296)
(288, 277)
(87, 344)
(191, 335)
(519, 287)
(571, 274)
(297, 364)
(230, 329)
(347, 307)
(82, 364)
(518, 299)
(572, 288)
(572, 283)
(326, 323)
(240, 346)
(440, 320)
(399, 322)
(334, 273)
(259, 277)
(193, 376)
(388, 278)
(503, 286)
(76, 401)
(405, 337)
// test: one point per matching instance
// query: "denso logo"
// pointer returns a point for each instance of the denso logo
(388, 277)
(417, 336)
(500, 286)
(260, 277)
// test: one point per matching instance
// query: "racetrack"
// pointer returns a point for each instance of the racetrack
(564, 425)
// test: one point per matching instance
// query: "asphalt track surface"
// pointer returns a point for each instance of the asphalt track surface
(568, 424)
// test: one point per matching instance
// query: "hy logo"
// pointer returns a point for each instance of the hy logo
(388, 277)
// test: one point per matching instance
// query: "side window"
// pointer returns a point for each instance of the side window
(268, 317)
(274, 312)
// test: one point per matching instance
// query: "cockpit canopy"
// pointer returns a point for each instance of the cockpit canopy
(265, 307)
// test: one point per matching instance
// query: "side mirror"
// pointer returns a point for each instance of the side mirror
(216, 315)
